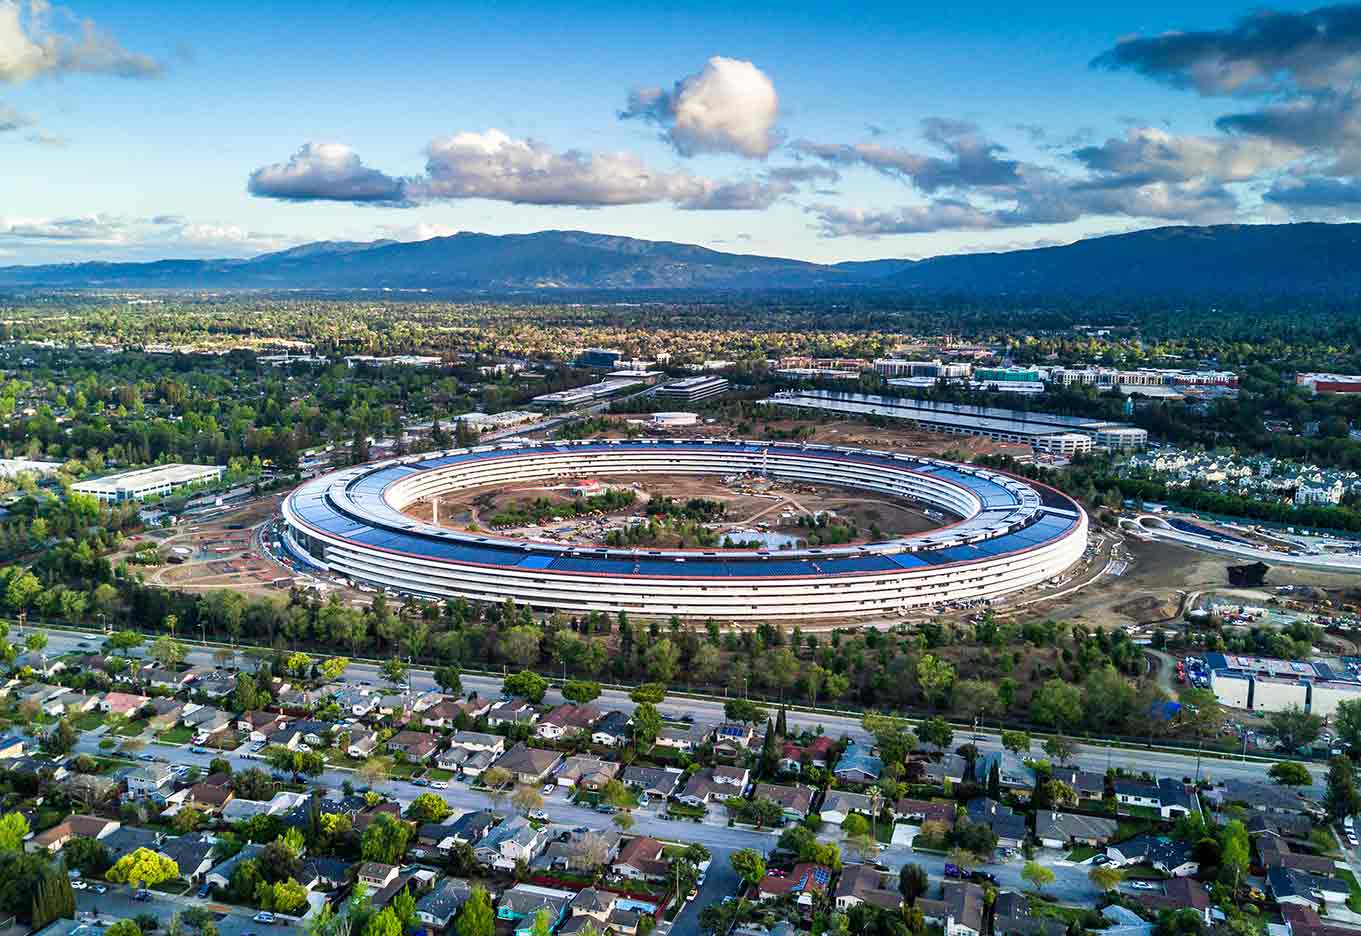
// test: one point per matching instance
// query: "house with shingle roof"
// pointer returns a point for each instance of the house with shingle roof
(1057, 829)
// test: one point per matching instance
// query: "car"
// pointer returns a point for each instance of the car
(198, 750)
(439, 784)
(692, 895)
(264, 916)
(1143, 885)
(78, 884)
(146, 757)
(420, 781)
(142, 895)
(953, 871)
(100, 888)
(1101, 860)
(548, 789)
(205, 890)
(538, 815)
(605, 808)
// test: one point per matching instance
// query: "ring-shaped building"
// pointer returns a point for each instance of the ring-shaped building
(1013, 534)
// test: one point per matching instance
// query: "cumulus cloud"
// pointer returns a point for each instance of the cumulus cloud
(1316, 197)
(939, 215)
(1148, 154)
(326, 172)
(973, 160)
(729, 106)
(1264, 51)
(38, 39)
(496, 166)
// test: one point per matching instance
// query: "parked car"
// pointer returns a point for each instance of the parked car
(100, 888)
(78, 884)
(548, 789)
(953, 871)
(142, 895)
(264, 916)
(538, 815)
(1143, 885)
(439, 784)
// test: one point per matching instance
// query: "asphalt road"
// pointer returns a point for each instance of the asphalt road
(118, 904)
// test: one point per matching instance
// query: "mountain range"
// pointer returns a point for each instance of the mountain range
(1306, 260)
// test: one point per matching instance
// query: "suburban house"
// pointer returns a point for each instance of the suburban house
(566, 720)
(415, 745)
(683, 738)
(959, 912)
(438, 907)
(1262, 797)
(642, 859)
(13, 746)
(838, 804)
(712, 783)
(1286, 885)
(1178, 894)
(586, 772)
(733, 738)
(191, 853)
(258, 726)
(1170, 856)
(1086, 784)
(150, 780)
(660, 782)
(1168, 797)
(612, 730)
(75, 826)
(122, 703)
(950, 767)
(1275, 852)
(529, 765)
(375, 875)
(521, 905)
(1012, 917)
(513, 840)
(862, 883)
(1060, 829)
(442, 714)
(583, 852)
(162, 713)
(1305, 921)
(805, 882)
(363, 742)
(512, 712)
(816, 753)
(1013, 776)
(1009, 827)
(859, 765)
(924, 811)
(471, 826)
(462, 761)
(796, 801)
(476, 741)
(221, 875)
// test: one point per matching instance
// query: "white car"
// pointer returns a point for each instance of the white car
(1142, 885)
(78, 885)
(548, 788)
(264, 916)
(439, 784)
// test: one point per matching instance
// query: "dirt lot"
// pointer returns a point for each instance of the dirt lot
(751, 504)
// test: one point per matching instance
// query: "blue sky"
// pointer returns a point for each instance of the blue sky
(132, 131)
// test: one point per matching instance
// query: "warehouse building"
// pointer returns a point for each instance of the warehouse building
(157, 481)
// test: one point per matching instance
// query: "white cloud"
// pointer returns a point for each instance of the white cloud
(729, 106)
(495, 166)
(92, 235)
(38, 38)
(325, 172)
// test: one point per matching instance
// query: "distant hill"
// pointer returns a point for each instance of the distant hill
(1263, 259)
(1305, 260)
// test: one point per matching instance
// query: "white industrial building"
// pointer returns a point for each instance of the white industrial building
(692, 390)
(1324, 696)
(1232, 689)
(1122, 438)
(142, 483)
(579, 395)
(13, 467)
(673, 420)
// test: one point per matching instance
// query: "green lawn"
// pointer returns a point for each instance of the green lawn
(405, 771)
(686, 812)
(1354, 898)
(88, 721)
(1143, 873)
(180, 734)
(1142, 812)
(1083, 852)
(132, 729)
(1088, 919)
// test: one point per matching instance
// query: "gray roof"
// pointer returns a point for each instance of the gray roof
(1065, 825)
(443, 901)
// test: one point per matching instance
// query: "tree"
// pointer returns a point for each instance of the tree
(332, 668)
(1341, 798)
(475, 918)
(385, 840)
(187, 820)
(373, 771)
(580, 691)
(855, 824)
(744, 710)
(1233, 852)
(298, 763)
(1290, 773)
(123, 928)
(448, 679)
(395, 671)
(428, 807)
(526, 799)
(167, 651)
(647, 725)
(962, 858)
(749, 865)
(1017, 742)
(62, 739)
(1347, 722)
(542, 924)
(496, 779)
(936, 732)
(123, 641)
(384, 923)
(520, 644)
(525, 684)
(13, 829)
(1059, 748)
(1037, 874)
(1105, 878)
(662, 659)
(912, 882)
(891, 736)
(976, 698)
(89, 856)
(1057, 704)
(143, 868)
(1294, 728)
(651, 693)
(246, 695)
(935, 676)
